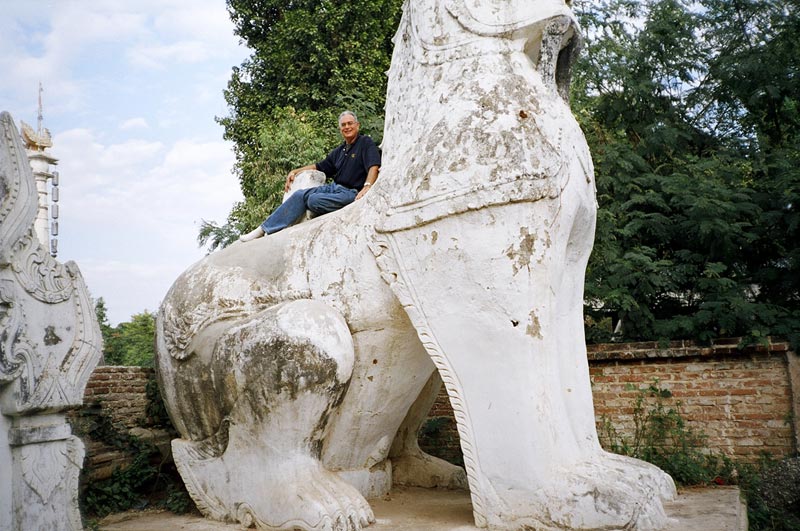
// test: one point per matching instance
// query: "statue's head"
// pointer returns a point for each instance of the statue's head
(439, 31)
(445, 24)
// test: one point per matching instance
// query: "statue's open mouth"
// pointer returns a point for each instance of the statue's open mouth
(552, 46)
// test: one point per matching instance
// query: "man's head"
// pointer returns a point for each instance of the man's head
(348, 126)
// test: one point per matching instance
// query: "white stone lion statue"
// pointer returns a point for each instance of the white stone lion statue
(289, 364)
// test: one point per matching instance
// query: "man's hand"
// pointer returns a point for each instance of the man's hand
(289, 180)
(372, 176)
(362, 192)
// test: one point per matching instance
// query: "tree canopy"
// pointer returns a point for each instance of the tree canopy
(130, 343)
(311, 59)
(691, 112)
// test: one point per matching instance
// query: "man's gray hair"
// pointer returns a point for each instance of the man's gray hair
(351, 113)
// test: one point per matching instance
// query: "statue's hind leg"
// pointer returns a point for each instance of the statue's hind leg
(285, 370)
(410, 465)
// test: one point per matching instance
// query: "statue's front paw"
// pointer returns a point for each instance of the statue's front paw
(643, 473)
(588, 496)
(307, 500)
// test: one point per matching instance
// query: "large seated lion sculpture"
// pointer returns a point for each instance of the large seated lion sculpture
(297, 367)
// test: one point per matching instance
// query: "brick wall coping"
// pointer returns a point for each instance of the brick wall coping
(599, 352)
(120, 369)
(680, 349)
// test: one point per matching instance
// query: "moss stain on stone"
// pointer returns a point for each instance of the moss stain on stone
(50, 336)
(534, 328)
(521, 254)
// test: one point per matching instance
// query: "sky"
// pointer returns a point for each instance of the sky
(131, 90)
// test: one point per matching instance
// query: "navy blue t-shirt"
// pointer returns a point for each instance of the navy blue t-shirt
(349, 165)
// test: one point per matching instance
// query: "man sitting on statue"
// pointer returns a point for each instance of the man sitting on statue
(353, 166)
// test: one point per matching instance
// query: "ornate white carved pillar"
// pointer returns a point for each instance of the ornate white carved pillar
(40, 164)
(36, 145)
(49, 344)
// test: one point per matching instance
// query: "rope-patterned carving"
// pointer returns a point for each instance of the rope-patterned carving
(389, 259)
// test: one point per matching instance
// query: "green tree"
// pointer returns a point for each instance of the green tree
(101, 312)
(680, 199)
(310, 57)
(754, 85)
(133, 342)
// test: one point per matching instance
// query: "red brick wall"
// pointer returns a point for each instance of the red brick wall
(439, 435)
(742, 400)
(119, 394)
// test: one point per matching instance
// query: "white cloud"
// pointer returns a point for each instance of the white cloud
(133, 123)
(165, 55)
(76, 26)
(209, 23)
(139, 153)
(112, 281)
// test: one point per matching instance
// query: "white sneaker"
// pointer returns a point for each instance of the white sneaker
(257, 233)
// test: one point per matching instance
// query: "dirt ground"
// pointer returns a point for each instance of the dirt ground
(414, 509)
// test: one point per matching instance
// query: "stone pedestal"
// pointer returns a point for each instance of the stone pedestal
(49, 344)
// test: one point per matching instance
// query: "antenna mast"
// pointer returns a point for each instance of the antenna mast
(40, 117)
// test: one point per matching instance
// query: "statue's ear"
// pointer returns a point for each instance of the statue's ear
(496, 17)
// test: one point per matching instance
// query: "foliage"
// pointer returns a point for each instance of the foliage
(101, 312)
(146, 479)
(178, 500)
(697, 231)
(130, 343)
(661, 436)
(123, 491)
(763, 513)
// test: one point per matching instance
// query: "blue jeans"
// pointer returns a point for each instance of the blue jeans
(319, 200)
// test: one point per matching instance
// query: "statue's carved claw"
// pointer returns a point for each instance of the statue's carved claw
(645, 474)
(598, 494)
(285, 494)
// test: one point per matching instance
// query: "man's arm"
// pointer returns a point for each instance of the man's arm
(372, 176)
(293, 173)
